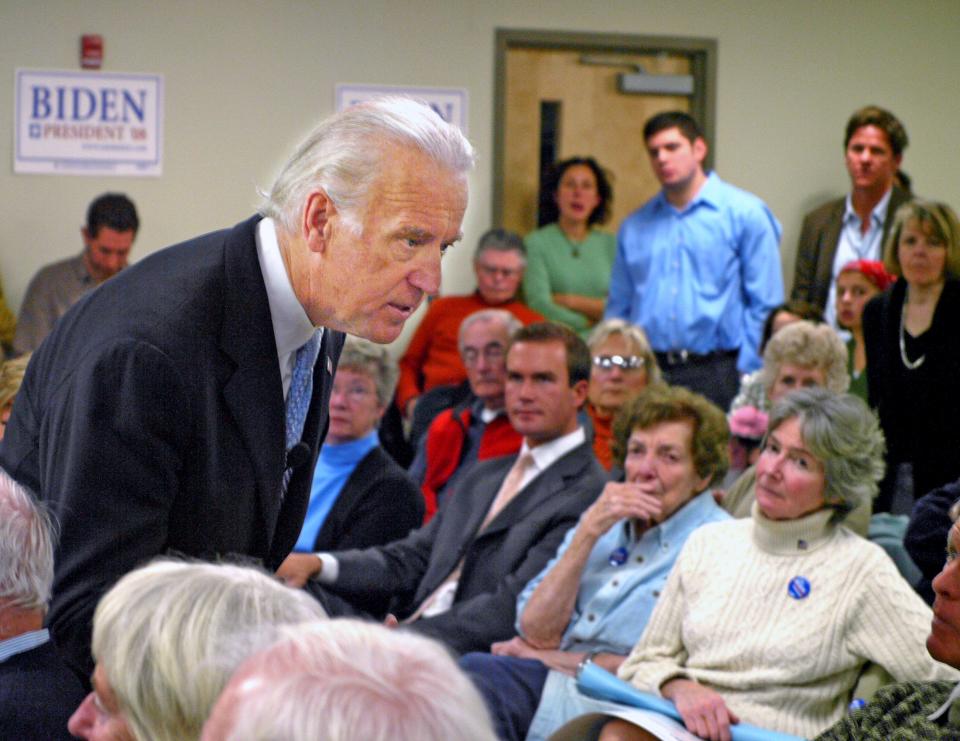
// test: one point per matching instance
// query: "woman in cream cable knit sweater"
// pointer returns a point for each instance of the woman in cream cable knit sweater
(769, 620)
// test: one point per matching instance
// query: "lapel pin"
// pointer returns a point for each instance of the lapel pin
(799, 587)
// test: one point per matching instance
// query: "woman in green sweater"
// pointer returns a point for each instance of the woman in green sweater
(569, 261)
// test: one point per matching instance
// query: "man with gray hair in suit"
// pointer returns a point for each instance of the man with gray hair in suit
(37, 690)
(180, 407)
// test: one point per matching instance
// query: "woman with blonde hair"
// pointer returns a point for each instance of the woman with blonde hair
(913, 357)
(622, 365)
(166, 639)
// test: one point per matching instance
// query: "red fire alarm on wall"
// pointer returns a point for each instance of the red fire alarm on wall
(91, 51)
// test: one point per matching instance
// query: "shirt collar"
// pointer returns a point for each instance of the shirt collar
(710, 194)
(547, 454)
(488, 415)
(877, 216)
(80, 268)
(677, 526)
(23, 643)
(291, 325)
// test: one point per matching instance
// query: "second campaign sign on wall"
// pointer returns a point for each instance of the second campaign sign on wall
(88, 123)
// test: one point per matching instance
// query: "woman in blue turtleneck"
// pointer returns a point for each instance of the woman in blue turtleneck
(360, 497)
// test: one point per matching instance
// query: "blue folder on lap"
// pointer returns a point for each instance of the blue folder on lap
(601, 684)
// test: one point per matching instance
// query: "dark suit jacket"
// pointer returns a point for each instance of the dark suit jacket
(919, 409)
(379, 503)
(152, 421)
(38, 694)
(498, 562)
(813, 270)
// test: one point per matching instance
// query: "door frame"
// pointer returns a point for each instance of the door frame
(703, 66)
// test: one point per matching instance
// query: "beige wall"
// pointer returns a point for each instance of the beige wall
(243, 86)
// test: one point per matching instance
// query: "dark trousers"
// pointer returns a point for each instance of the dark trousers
(511, 688)
(714, 375)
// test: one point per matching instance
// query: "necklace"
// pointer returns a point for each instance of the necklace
(574, 246)
(910, 364)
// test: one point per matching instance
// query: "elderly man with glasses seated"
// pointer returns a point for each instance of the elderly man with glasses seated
(476, 428)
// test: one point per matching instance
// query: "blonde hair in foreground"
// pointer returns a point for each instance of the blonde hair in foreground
(169, 635)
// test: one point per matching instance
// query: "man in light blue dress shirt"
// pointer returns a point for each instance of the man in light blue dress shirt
(697, 266)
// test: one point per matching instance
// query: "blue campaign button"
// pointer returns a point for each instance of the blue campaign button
(799, 587)
(618, 557)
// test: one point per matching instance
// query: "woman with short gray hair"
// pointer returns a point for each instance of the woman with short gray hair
(770, 620)
(801, 355)
(359, 496)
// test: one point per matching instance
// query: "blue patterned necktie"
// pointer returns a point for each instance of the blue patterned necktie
(298, 397)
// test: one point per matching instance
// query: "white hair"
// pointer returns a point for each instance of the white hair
(807, 345)
(507, 320)
(26, 547)
(634, 335)
(343, 155)
(348, 679)
(374, 360)
(169, 635)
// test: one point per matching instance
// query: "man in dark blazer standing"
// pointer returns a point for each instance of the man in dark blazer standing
(853, 227)
(457, 578)
(178, 409)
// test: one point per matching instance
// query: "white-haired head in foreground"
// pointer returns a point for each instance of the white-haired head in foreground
(343, 154)
(26, 548)
(347, 679)
(168, 636)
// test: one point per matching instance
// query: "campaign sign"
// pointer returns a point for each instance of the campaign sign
(88, 123)
(449, 103)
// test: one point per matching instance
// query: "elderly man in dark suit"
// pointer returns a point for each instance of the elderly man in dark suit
(855, 226)
(180, 406)
(457, 578)
(37, 690)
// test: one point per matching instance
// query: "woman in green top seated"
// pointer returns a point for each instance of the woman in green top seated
(568, 260)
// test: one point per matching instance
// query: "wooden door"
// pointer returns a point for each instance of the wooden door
(557, 104)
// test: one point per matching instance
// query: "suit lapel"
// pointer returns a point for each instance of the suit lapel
(483, 495)
(544, 486)
(828, 249)
(254, 392)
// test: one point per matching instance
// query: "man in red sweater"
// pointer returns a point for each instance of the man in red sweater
(477, 428)
(432, 358)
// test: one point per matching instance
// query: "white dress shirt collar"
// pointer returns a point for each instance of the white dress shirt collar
(546, 454)
(291, 325)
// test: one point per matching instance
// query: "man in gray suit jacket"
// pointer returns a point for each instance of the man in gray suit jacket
(457, 578)
(171, 409)
(853, 227)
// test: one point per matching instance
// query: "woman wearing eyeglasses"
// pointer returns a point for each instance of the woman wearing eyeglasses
(360, 497)
(623, 366)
